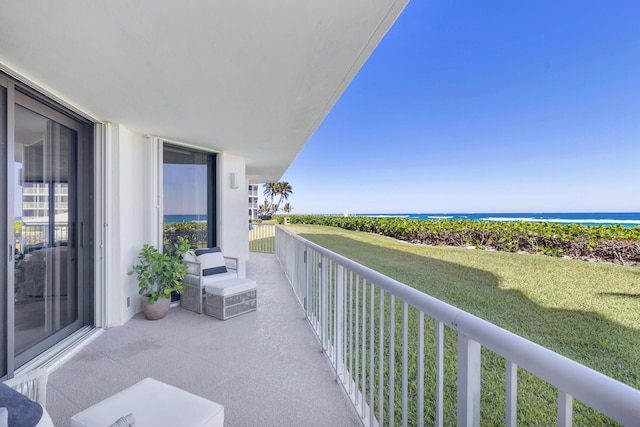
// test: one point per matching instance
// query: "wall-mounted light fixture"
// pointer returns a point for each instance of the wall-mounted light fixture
(233, 180)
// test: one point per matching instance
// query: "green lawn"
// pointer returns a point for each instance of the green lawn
(588, 312)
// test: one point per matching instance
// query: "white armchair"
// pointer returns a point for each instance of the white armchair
(206, 267)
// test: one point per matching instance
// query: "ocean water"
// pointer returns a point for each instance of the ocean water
(588, 218)
(174, 219)
(630, 219)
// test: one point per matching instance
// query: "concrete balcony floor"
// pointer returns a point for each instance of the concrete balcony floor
(266, 367)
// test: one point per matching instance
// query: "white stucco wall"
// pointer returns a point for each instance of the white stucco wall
(126, 229)
(233, 218)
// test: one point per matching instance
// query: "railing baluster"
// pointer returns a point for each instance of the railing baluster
(405, 362)
(345, 310)
(363, 350)
(310, 286)
(325, 302)
(322, 304)
(318, 294)
(392, 360)
(511, 410)
(356, 372)
(317, 291)
(314, 289)
(420, 368)
(338, 315)
(351, 350)
(330, 300)
(371, 354)
(272, 242)
(326, 265)
(565, 409)
(439, 374)
(468, 382)
(381, 360)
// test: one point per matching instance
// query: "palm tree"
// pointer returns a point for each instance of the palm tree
(266, 208)
(270, 190)
(284, 190)
(287, 208)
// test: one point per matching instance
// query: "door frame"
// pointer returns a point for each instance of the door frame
(82, 207)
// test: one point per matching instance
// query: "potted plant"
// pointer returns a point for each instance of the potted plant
(159, 274)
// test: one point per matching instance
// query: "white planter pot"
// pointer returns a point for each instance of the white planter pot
(157, 310)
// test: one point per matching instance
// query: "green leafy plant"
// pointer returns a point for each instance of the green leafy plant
(616, 243)
(158, 273)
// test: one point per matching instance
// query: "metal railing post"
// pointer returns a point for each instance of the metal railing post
(511, 398)
(565, 409)
(468, 382)
(338, 335)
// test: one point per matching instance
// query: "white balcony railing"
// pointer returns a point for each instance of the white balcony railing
(353, 311)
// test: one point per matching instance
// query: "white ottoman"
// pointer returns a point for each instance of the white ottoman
(153, 404)
(230, 298)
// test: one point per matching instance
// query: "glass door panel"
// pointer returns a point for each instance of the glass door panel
(44, 268)
(188, 196)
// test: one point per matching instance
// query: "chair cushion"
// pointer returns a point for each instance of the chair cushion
(211, 260)
(189, 257)
(22, 411)
(231, 287)
(218, 278)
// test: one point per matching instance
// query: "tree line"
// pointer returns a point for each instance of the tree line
(616, 243)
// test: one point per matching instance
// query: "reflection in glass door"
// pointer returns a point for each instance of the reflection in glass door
(44, 266)
(188, 196)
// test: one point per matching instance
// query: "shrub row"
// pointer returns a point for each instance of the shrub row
(617, 243)
(195, 232)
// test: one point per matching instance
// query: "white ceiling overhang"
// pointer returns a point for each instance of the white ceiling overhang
(253, 78)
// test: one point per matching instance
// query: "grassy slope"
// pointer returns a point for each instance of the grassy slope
(588, 312)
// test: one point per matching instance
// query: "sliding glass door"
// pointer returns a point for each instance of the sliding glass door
(49, 227)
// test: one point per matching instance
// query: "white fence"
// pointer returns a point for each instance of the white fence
(372, 328)
(262, 237)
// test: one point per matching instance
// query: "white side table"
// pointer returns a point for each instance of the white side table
(153, 404)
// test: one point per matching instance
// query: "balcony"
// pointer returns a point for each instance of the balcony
(265, 367)
(270, 367)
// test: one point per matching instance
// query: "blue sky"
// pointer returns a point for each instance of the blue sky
(493, 106)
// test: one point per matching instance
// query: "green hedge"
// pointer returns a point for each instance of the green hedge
(615, 243)
(195, 232)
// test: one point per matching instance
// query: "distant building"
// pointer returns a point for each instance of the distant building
(253, 201)
(37, 213)
(36, 197)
